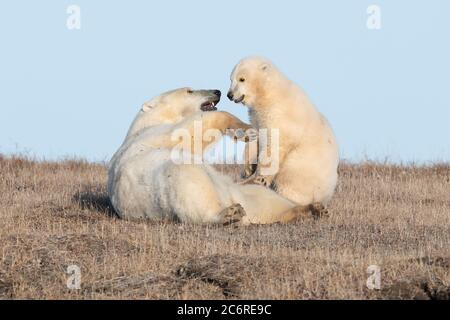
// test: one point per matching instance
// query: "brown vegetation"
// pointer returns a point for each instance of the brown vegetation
(55, 214)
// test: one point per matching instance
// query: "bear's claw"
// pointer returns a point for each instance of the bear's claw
(318, 211)
(259, 180)
(262, 181)
(232, 216)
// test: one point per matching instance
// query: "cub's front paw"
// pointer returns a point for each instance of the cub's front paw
(263, 181)
(249, 170)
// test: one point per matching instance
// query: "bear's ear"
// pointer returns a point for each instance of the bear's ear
(146, 107)
(264, 67)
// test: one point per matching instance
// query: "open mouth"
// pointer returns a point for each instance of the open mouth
(240, 99)
(209, 106)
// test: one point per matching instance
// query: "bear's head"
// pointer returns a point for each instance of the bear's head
(173, 106)
(251, 80)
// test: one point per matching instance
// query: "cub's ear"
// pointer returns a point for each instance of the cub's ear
(264, 67)
(146, 107)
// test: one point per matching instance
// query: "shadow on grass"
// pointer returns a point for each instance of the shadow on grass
(95, 201)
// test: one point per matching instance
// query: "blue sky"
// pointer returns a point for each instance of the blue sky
(74, 92)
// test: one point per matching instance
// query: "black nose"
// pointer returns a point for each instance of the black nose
(217, 93)
(230, 95)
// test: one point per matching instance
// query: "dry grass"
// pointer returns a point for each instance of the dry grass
(56, 214)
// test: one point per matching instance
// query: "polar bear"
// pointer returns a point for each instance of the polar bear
(308, 152)
(145, 180)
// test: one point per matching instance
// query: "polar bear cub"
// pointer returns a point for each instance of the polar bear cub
(144, 180)
(308, 151)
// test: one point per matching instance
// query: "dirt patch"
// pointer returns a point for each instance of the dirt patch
(79, 245)
(415, 290)
(441, 262)
(194, 289)
(28, 262)
(224, 272)
(6, 286)
(53, 214)
(39, 262)
(128, 286)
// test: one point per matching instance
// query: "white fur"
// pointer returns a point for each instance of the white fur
(144, 182)
(309, 154)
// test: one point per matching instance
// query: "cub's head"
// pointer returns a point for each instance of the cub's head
(173, 106)
(250, 81)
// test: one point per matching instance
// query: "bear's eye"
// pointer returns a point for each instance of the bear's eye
(190, 91)
(241, 80)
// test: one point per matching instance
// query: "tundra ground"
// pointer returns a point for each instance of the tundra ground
(57, 214)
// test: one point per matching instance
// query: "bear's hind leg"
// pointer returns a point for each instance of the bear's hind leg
(313, 211)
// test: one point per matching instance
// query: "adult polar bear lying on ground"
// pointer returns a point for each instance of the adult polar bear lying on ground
(308, 151)
(145, 182)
